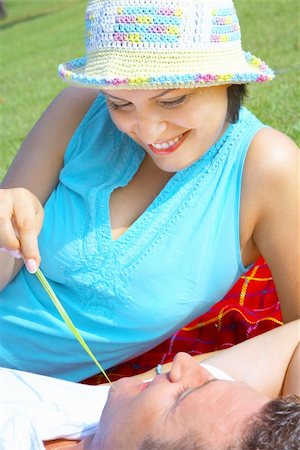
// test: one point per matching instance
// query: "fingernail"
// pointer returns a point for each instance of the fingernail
(31, 265)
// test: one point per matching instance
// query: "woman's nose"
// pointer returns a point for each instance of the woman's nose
(149, 129)
(184, 367)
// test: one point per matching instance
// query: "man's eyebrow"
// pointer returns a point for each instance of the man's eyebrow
(107, 94)
(197, 388)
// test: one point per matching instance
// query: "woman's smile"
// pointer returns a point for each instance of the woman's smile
(168, 147)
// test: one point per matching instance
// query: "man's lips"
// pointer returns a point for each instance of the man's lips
(170, 148)
(145, 385)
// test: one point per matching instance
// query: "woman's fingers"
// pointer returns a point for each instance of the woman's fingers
(25, 226)
(21, 217)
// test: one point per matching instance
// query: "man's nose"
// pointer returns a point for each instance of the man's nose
(149, 129)
(184, 367)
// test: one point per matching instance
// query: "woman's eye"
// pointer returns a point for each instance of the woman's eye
(174, 103)
(117, 107)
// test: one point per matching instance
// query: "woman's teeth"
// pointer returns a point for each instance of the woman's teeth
(168, 144)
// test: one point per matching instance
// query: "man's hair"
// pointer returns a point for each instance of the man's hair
(276, 427)
(187, 442)
(235, 94)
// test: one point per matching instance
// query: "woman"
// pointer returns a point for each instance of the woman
(159, 192)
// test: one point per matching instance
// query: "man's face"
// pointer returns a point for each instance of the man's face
(186, 400)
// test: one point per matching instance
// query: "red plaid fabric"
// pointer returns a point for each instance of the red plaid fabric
(250, 308)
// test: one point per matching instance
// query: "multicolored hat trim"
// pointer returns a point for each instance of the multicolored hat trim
(169, 44)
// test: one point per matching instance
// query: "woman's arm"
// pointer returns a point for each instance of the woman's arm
(33, 175)
(267, 362)
(271, 207)
(291, 384)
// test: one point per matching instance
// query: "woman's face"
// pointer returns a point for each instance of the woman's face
(175, 126)
(186, 400)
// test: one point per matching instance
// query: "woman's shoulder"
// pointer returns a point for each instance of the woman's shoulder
(44, 148)
(270, 175)
(74, 102)
(270, 178)
(271, 171)
(61, 119)
(78, 94)
(272, 156)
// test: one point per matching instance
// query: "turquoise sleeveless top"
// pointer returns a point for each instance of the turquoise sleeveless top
(125, 296)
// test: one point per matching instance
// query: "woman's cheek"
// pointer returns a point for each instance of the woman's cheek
(122, 122)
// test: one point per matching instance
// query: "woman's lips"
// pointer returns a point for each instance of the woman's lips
(170, 148)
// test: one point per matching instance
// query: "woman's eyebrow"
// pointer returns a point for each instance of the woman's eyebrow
(107, 94)
(165, 92)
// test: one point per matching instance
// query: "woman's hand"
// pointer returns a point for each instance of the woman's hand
(21, 218)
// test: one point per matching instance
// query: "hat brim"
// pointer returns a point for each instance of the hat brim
(78, 72)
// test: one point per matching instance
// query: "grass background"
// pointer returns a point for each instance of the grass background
(37, 35)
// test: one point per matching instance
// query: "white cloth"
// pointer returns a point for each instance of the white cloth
(35, 408)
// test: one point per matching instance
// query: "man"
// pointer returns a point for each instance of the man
(190, 407)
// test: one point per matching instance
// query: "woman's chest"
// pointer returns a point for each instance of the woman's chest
(128, 203)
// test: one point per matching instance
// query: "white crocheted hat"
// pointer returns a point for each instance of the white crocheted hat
(156, 44)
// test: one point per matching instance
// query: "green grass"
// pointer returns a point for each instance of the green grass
(39, 34)
(270, 30)
(35, 37)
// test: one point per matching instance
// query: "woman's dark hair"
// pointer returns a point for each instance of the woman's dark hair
(236, 94)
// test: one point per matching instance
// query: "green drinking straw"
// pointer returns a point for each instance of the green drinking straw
(67, 320)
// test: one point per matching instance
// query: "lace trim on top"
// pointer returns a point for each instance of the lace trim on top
(122, 255)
